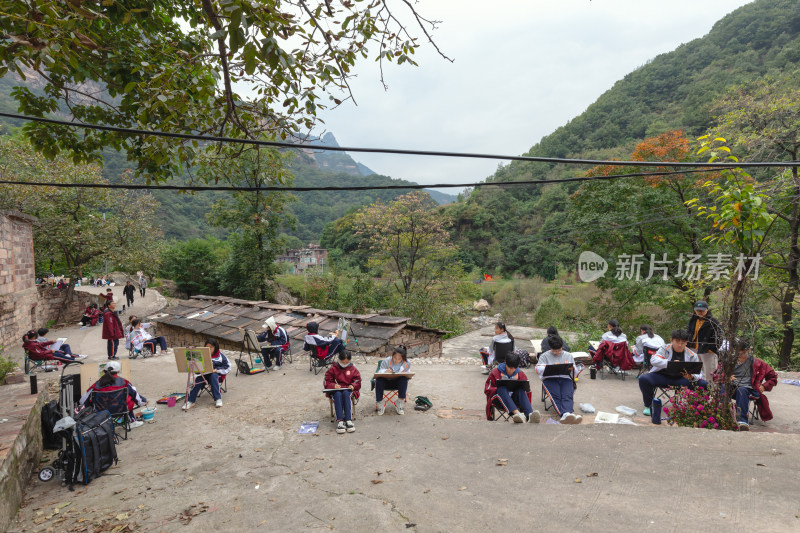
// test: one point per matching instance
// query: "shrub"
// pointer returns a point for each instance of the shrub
(700, 409)
(549, 313)
(6, 367)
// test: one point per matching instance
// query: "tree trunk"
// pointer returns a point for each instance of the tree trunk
(61, 318)
(793, 283)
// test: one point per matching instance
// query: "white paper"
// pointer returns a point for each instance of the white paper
(606, 418)
(57, 345)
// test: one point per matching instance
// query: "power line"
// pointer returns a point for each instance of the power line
(282, 188)
(396, 151)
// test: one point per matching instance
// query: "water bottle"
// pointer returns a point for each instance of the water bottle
(655, 411)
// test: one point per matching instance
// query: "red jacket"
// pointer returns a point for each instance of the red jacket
(617, 352)
(38, 350)
(93, 314)
(112, 326)
(763, 374)
(344, 377)
(490, 389)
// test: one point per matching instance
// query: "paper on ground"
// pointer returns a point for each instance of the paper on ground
(606, 418)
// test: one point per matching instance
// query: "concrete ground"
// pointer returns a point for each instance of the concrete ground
(244, 466)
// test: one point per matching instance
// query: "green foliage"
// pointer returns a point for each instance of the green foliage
(254, 218)
(550, 312)
(78, 226)
(518, 230)
(6, 366)
(193, 265)
(179, 64)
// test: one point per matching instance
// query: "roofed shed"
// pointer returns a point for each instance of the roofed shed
(191, 322)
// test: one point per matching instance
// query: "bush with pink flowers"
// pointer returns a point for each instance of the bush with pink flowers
(700, 409)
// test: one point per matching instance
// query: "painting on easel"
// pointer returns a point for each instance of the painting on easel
(196, 360)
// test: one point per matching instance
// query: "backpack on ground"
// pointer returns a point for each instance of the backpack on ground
(94, 445)
(51, 413)
(524, 358)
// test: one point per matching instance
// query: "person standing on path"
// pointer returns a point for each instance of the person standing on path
(142, 285)
(705, 337)
(112, 330)
(128, 291)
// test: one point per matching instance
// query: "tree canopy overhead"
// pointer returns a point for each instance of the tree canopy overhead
(237, 68)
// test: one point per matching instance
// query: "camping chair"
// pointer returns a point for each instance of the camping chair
(547, 400)
(250, 344)
(499, 410)
(287, 352)
(501, 351)
(115, 402)
(145, 352)
(389, 395)
(648, 353)
(753, 415)
(353, 403)
(319, 358)
(223, 386)
(47, 365)
(608, 367)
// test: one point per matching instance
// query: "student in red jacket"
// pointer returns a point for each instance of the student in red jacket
(38, 351)
(112, 330)
(345, 376)
(111, 381)
(517, 403)
(751, 378)
(614, 348)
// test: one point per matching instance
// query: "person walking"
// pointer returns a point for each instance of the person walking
(142, 285)
(129, 291)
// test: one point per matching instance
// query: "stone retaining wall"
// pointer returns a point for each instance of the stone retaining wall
(18, 297)
(20, 445)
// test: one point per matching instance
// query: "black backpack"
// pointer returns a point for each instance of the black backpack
(51, 413)
(94, 446)
(524, 358)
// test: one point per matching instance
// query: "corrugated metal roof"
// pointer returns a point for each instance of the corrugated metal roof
(225, 318)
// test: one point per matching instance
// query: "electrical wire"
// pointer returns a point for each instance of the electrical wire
(283, 188)
(397, 151)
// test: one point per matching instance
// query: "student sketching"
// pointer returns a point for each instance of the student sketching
(343, 375)
(501, 336)
(397, 363)
(560, 388)
(90, 316)
(646, 341)
(139, 338)
(276, 338)
(658, 376)
(614, 348)
(38, 351)
(751, 378)
(327, 346)
(221, 367)
(517, 403)
(111, 381)
(42, 339)
(552, 331)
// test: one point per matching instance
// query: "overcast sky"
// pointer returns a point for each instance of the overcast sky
(522, 68)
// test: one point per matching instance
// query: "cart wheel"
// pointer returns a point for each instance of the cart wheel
(46, 473)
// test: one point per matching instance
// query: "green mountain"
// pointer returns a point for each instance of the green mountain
(525, 229)
(183, 215)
